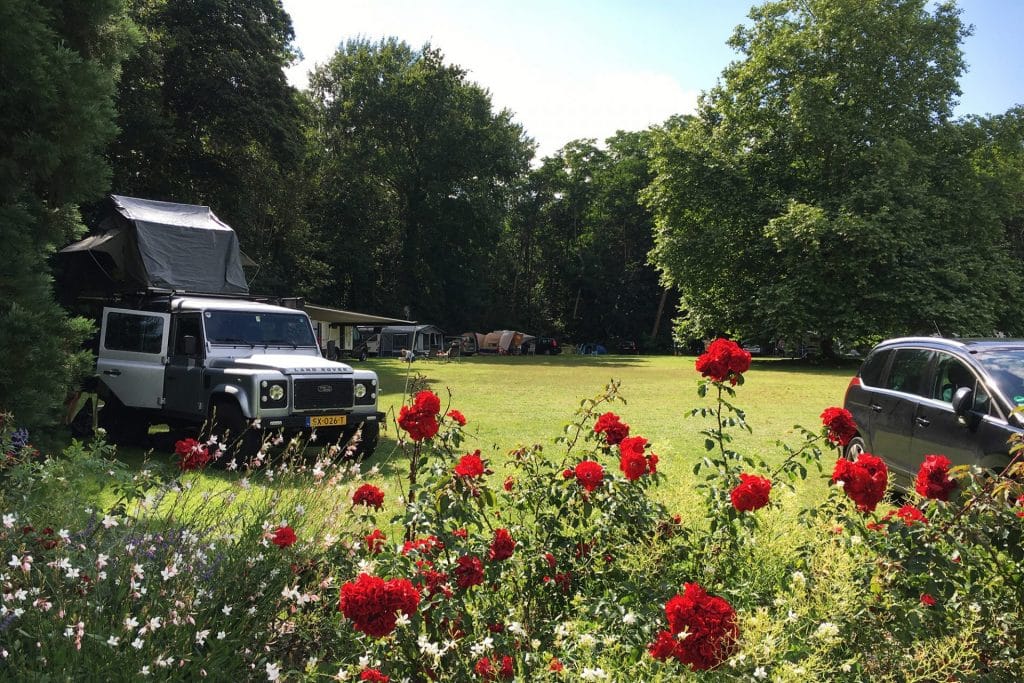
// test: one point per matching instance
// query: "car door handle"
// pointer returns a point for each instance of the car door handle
(922, 422)
(876, 407)
(115, 372)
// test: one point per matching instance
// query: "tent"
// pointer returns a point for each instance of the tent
(504, 341)
(145, 244)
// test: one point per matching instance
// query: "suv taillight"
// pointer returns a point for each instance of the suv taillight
(854, 382)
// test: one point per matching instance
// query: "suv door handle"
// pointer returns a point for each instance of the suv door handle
(922, 422)
(876, 407)
(115, 372)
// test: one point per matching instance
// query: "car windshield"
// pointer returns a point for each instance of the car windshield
(258, 328)
(1006, 367)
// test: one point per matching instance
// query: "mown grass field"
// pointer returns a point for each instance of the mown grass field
(511, 401)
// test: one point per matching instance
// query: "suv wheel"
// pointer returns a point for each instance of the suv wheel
(125, 426)
(236, 438)
(854, 448)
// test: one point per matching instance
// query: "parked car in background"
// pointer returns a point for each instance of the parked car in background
(546, 346)
(917, 396)
(628, 346)
(751, 347)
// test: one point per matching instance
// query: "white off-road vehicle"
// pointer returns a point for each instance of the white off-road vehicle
(240, 367)
(216, 359)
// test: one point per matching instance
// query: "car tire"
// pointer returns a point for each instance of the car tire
(855, 447)
(124, 426)
(367, 442)
(237, 440)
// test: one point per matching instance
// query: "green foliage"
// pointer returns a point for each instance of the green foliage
(410, 170)
(580, 237)
(56, 117)
(826, 161)
(207, 117)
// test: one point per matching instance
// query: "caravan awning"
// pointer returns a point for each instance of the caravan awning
(337, 315)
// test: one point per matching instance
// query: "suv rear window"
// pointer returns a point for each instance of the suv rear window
(874, 366)
(908, 371)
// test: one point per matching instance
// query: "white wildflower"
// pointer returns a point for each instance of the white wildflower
(273, 671)
(109, 521)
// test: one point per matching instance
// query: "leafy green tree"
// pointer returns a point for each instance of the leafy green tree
(60, 63)
(411, 172)
(207, 117)
(824, 188)
(581, 237)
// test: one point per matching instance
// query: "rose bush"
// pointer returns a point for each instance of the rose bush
(575, 571)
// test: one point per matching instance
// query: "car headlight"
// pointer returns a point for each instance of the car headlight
(360, 390)
(276, 392)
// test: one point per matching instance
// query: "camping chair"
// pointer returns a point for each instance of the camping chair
(441, 355)
(454, 352)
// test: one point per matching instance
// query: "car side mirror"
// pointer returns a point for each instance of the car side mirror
(963, 400)
(189, 345)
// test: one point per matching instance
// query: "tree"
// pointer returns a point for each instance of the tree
(582, 241)
(59, 71)
(411, 173)
(825, 190)
(207, 117)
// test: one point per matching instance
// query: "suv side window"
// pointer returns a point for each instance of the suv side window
(136, 332)
(874, 366)
(950, 375)
(909, 369)
(187, 324)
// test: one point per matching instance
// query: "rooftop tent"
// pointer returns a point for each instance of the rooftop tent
(149, 244)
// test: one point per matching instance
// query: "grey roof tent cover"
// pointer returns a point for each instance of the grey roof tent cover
(151, 244)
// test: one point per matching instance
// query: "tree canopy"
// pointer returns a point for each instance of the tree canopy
(824, 190)
(59, 70)
(411, 171)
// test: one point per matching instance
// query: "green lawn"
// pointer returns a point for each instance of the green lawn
(512, 401)
(516, 401)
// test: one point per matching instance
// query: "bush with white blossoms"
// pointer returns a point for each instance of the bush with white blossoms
(560, 565)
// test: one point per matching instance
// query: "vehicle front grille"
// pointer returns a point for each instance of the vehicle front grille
(323, 394)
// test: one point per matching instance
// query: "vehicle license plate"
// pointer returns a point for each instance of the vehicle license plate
(327, 420)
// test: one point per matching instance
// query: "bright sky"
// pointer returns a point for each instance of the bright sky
(571, 69)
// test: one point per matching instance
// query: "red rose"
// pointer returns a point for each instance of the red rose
(751, 493)
(724, 360)
(460, 533)
(509, 483)
(933, 478)
(507, 671)
(469, 571)
(909, 514)
(470, 465)
(375, 541)
(420, 419)
(840, 424)
(613, 429)
(1020, 503)
(927, 600)
(567, 473)
(484, 669)
(192, 454)
(555, 665)
(633, 461)
(589, 474)
(283, 536)
(710, 625)
(864, 481)
(373, 676)
(457, 417)
(424, 546)
(428, 402)
(433, 580)
(372, 604)
(502, 546)
(368, 495)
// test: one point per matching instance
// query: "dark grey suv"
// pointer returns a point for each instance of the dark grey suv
(915, 396)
